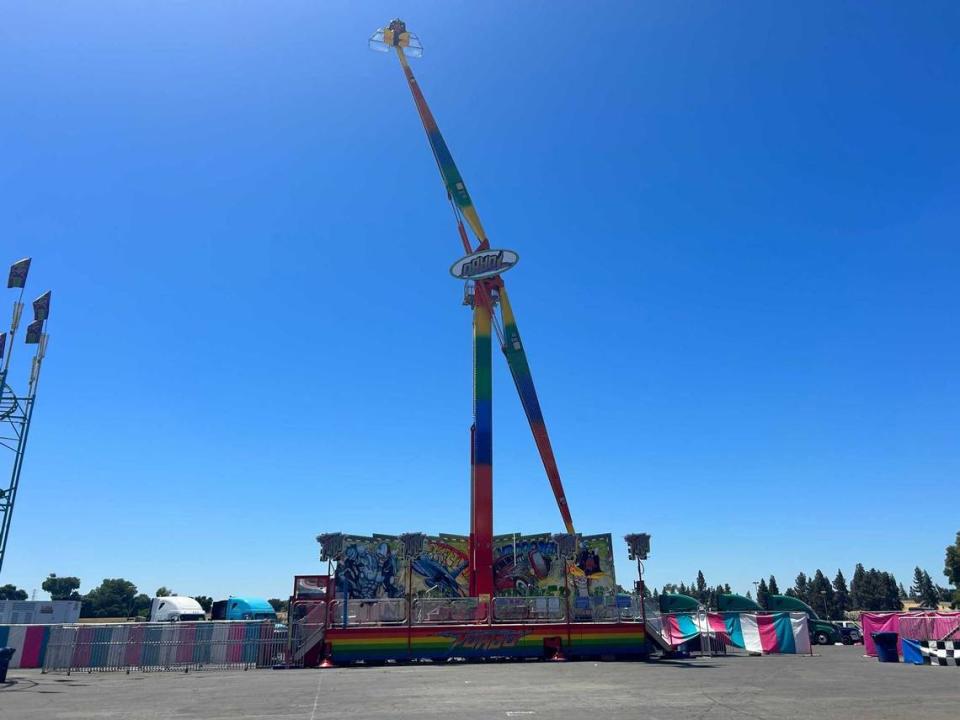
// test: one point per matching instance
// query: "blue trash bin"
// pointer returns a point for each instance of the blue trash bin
(5, 655)
(886, 643)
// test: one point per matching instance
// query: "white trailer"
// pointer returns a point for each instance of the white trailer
(39, 612)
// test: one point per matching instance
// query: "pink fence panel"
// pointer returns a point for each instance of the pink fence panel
(890, 622)
(942, 626)
(877, 622)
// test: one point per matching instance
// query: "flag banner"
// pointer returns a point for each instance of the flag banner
(34, 331)
(18, 273)
(41, 307)
(3, 344)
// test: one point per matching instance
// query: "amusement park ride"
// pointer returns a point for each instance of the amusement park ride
(481, 622)
(482, 269)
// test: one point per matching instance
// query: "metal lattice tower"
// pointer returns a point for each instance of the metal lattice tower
(16, 409)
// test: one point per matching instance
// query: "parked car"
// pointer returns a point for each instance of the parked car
(850, 632)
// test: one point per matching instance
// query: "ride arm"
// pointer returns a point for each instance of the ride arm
(520, 370)
(456, 188)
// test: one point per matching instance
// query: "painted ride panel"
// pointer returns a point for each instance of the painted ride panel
(352, 644)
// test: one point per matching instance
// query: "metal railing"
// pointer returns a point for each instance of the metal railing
(439, 611)
(529, 609)
(308, 626)
(380, 611)
(166, 646)
(471, 611)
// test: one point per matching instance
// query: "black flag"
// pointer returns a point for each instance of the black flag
(41, 307)
(18, 273)
(34, 330)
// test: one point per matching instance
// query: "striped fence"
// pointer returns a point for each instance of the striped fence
(29, 642)
(758, 634)
(165, 646)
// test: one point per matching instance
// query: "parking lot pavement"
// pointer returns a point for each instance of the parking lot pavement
(837, 683)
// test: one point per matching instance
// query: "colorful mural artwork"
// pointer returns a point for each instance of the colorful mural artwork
(443, 568)
(370, 568)
(593, 573)
(523, 565)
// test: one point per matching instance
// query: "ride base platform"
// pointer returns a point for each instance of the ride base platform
(374, 631)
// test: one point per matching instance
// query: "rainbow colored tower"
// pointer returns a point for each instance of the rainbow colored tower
(481, 269)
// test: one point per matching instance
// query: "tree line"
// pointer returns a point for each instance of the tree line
(871, 590)
(113, 598)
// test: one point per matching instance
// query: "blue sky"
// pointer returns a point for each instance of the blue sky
(738, 234)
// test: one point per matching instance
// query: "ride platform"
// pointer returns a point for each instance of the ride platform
(333, 631)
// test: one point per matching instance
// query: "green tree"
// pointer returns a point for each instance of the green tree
(61, 588)
(820, 595)
(703, 595)
(857, 588)
(113, 598)
(929, 595)
(164, 591)
(278, 604)
(12, 592)
(763, 592)
(951, 569)
(890, 592)
(205, 602)
(772, 586)
(916, 589)
(875, 590)
(715, 596)
(800, 588)
(841, 595)
(141, 606)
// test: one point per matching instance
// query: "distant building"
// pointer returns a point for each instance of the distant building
(39, 612)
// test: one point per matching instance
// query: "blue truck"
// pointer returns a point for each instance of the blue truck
(242, 608)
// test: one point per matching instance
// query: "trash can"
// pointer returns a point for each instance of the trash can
(886, 643)
(5, 655)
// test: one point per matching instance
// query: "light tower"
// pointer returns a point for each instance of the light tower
(16, 409)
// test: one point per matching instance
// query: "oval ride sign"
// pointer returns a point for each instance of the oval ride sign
(484, 264)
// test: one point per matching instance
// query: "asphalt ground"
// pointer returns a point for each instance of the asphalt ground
(837, 683)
